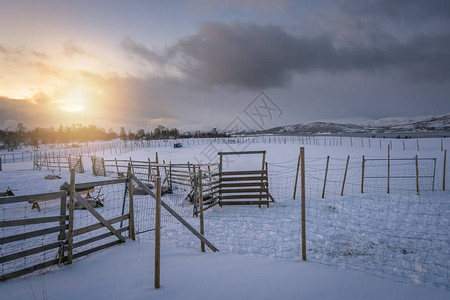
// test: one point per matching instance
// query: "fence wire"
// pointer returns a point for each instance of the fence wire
(400, 235)
(22, 210)
(112, 201)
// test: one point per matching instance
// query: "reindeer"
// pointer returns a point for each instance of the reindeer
(8, 192)
(95, 202)
(52, 176)
(137, 190)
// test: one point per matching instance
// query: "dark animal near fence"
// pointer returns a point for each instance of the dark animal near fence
(93, 202)
(8, 192)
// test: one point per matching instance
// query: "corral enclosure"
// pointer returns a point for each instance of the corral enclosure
(403, 235)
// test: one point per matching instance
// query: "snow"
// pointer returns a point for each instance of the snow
(351, 231)
(126, 272)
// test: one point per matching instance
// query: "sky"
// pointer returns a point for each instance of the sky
(203, 64)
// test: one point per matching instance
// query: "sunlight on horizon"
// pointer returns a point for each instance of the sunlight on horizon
(72, 107)
(75, 100)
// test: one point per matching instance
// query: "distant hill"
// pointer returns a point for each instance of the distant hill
(387, 125)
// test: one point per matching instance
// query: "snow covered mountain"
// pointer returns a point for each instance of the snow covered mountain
(386, 125)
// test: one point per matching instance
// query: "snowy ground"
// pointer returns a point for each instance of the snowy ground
(400, 236)
(126, 272)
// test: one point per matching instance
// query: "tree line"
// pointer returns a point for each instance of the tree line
(78, 133)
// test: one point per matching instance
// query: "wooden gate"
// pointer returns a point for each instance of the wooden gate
(59, 232)
(249, 187)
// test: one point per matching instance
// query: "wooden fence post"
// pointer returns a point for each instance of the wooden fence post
(59, 164)
(417, 142)
(262, 168)
(325, 179)
(417, 175)
(442, 145)
(362, 174)
(62, 233)
(296, 176)
(1, 163)
(103, 166)
(93, 161)
(303, 205)
(62, 212)
(70, 229)
(149, 175)
(388, 169)
(157, 231)
(200, 200)
(157, 163)
(345, 175)
(445, 163)
(170, 174)
(131, 231)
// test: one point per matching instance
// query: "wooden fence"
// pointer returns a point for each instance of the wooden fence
(239, 187)
(205, 189)
(59, 224)
(64, 223)
(86, 238)
(145, 170)
(52, 161)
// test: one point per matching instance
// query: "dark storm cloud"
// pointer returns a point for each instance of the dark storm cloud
(261, 56)
(410, 10)
(141, 51)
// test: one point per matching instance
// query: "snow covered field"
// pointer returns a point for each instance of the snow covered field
(126, 272)
(400, 236)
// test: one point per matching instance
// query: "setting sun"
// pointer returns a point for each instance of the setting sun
(73, 101)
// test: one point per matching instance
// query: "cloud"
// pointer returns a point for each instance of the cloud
(3, 50)
(46, 69)
(11, 53)
(70, 49)
(261, 56)
(141, 51)
(40, 54)
(410, 10)
(251, 5)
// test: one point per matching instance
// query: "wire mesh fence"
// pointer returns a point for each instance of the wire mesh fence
(401, 173)
(111, 201)
(401, 235)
